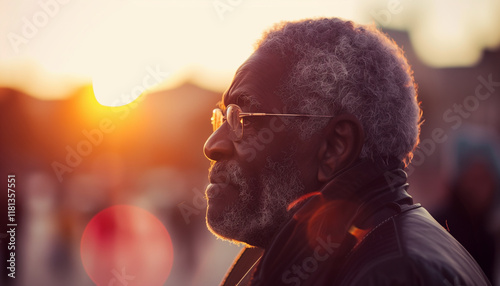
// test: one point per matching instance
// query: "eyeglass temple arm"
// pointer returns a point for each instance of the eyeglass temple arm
(246, 114)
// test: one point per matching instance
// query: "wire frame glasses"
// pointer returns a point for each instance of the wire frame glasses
(234, 117)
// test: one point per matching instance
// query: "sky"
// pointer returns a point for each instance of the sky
(49, 47)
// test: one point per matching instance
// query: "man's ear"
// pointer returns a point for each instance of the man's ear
(341, 145)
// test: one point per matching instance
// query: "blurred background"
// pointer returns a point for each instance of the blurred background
(80, 138)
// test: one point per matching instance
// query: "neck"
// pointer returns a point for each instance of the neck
(364, 175)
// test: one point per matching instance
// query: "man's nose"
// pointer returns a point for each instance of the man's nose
(218, 145)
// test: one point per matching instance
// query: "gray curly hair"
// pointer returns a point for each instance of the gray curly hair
(337, 66)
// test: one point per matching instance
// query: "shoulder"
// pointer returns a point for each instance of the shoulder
(411, 248)
(398, 270)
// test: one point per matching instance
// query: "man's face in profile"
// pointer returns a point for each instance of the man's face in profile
(253, 181)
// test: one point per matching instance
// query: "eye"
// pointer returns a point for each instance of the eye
(253, 122)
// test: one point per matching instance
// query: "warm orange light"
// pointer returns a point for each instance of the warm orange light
(357, 232)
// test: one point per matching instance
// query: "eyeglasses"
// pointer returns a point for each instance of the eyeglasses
(234, 117)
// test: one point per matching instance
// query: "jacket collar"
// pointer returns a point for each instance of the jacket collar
(347, 208)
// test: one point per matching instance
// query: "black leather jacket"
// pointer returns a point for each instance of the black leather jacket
(363, 229)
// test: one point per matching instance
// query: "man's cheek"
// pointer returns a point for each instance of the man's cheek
(256, 141)
(248, 153)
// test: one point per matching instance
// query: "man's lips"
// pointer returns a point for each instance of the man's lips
(217, 190)
(220, 177)
(219, 183)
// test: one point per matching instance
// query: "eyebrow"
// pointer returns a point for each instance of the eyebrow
(220, 105)
(243, 99)
(246, 99)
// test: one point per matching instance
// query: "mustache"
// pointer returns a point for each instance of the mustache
(228, 172)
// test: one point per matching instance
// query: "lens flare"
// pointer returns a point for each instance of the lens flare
(126, 245)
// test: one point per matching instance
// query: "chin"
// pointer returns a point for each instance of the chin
(226, 237)
(248, 233)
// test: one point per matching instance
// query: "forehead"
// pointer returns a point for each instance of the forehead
(255, 83)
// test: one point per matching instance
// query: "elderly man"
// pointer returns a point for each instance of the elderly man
(308, 150)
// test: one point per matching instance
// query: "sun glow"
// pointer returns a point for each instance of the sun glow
(113, 43)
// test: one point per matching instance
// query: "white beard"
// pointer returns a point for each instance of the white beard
(256, 224)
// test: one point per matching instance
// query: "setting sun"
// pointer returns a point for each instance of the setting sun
(113, 44)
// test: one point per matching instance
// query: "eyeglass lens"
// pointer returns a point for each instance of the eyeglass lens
(217, 119)
(233, 119)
